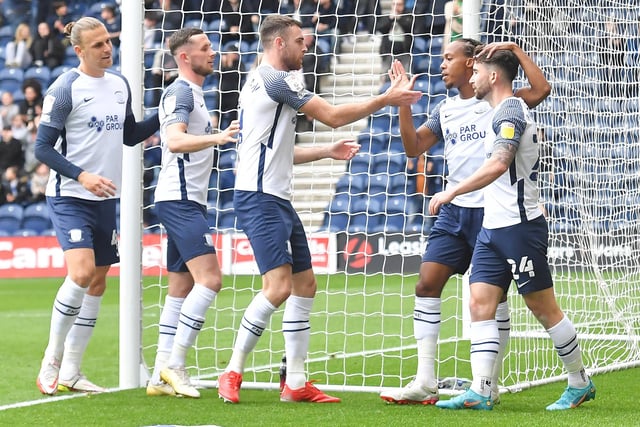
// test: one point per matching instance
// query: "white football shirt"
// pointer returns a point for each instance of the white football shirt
(184, 176)
(513, 197)
(269, 102)
(463, 125)
(90, 114)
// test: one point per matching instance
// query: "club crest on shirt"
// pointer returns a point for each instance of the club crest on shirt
(120, 98)
(169, 104)
(295, 84)
(507, 130)
(47, 107)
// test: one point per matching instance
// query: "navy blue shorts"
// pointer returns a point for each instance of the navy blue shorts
(453, 237)
(87, 224)
(517, 253)
(274, 230)
(188, 233)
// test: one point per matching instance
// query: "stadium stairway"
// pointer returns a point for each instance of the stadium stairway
(355, 77)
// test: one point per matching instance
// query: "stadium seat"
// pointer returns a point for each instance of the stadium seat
(337, 215)
(6, 34)
(36, 217)
(384, 119)
(391, 163)
(360, 164)
(378, 184)
(358, 184)
(11, 79)
(41, 74)
(11, 217)
(70, 57)
(57, 72)
(397, 184)
(25, 232)
(373, 141)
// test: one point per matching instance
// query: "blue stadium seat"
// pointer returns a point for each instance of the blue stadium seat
(358, 184)
(70, 57)
(378, 184)
(373, 141)
(384, 119)
(360, 164)
(11, 217)
(57, 72)
(25, 232)
(337, 215)
(41, 74)
(36, 217)
(11, 79)
(391, 163)
(6, 34)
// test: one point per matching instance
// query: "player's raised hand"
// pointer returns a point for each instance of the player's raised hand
(344, 149)
(401, 92)
(96, 184)
(491, 48)
(398, 75)
(230, 134)
(439, 199)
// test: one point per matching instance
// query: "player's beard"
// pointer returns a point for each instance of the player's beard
(203, 70)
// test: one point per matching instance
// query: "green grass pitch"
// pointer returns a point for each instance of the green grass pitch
(25, 307)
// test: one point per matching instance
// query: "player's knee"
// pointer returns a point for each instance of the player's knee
(428, 289)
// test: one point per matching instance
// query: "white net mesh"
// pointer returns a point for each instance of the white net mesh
(362, 320)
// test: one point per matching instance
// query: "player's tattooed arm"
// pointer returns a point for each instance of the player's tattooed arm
(504, 152)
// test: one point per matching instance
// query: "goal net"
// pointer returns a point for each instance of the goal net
(365, 219)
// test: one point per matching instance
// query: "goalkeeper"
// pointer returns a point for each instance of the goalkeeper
(463, 122)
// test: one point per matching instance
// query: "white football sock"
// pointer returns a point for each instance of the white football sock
(296, 330)
(79, 335)
(192, 316)
(255, 319)
(66, 307)
(426, 327)
(167, 331)
(565, 339)
(503, 320)
(484, 349)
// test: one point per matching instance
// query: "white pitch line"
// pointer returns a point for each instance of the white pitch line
(48, 400)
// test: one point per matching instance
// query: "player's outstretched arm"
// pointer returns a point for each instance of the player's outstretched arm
(539, 88)
(179, 141)
(341, 115)
(343, 149)
(415, 141)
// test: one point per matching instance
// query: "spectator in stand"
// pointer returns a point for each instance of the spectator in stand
(112, 22)
(151, 30)
(303, 11)
(17, 51)
(230, 81)
(396, 28)
(29, 145)
(38, 183)
(163, 72)
(8, 108)
(15, 186)
(367, 11)
(453, 22)
(46, 49)
(31, 105)
(325, 21)
(19, 128)
(11, 153)
(60, 18)
(170, 15)
(237, 22)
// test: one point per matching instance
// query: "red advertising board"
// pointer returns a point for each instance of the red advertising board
(43, 257)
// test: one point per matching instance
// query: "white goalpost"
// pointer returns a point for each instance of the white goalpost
(362, 321)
